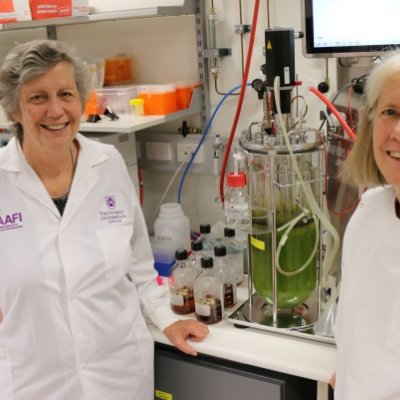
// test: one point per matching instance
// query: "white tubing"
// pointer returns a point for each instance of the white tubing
(282, 242)
(328, 261)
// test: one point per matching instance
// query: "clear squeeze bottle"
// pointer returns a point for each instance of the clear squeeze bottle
(180, 281)
(227, 274)
(208, 294)
(234, 251)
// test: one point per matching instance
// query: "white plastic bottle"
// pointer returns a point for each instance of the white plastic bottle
(173, 225)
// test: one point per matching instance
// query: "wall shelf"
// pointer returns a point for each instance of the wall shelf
(131, 123)
(188, 8)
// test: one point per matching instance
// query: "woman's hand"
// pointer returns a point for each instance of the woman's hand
(332, 381)
(181, 330)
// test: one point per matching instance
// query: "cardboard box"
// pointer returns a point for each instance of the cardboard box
(44, 9)
(14, 10)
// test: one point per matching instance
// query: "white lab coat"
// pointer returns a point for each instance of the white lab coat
(72, 324)
(368, 323)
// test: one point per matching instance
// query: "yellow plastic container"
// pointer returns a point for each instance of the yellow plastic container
(137, 106)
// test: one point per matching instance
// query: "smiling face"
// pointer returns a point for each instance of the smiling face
(49, 109)
(386, 132)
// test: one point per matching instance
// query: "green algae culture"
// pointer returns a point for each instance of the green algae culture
(292, 290)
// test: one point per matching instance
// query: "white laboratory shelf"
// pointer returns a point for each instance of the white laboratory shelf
(125, 124)
(130, 123)
(187, 8)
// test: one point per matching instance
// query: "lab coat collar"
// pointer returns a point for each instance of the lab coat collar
(12, 160)
(86, 176)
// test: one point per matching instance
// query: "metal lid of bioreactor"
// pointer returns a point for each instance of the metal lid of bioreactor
(302, 141)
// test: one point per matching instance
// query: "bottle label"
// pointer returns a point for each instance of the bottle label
(203, 305)
(177, 296)
(176, 299)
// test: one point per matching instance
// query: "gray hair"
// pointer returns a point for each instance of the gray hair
(360, 168)
(29, 60)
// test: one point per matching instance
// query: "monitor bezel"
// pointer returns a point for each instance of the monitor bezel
(310, 51)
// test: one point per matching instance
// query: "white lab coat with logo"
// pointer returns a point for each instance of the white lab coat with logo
(72, 324)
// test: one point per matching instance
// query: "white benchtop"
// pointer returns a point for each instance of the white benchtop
(297, 356)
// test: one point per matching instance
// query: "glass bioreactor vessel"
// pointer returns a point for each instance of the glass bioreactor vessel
(285, 169)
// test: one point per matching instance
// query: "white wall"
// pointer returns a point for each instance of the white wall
(200, 198)
(164, 49)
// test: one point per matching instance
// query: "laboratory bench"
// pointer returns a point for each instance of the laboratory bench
(286, 367)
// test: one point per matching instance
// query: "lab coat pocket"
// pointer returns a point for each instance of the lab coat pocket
(6, 383)
(115, 243)
(393, 334)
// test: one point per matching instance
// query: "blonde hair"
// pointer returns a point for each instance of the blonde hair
(360, 168)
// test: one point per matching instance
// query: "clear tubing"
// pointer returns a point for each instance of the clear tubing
(307, 191)
(290, 225)
(168, 187)
(203, 137)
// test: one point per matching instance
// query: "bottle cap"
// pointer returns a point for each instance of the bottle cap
(207, 262)
(229, 232)
(196, 245)
(205, 228)
(181, 255)
(219, 251)
(136, 102)
(236, 180)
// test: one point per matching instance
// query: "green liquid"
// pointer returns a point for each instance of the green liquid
(292, 290)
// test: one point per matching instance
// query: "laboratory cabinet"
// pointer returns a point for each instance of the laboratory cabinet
(181, 377)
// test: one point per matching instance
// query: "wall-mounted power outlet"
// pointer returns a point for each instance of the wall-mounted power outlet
(158, 151)
(185, 150)
(155, 152)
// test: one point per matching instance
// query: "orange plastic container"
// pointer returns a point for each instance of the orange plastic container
(158, 99)
(118, 70)
(184, 92)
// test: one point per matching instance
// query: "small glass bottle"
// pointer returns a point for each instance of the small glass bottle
(208, 294)
(234, 253)
(180, 282)
(236, 202)
(227, 274)
(196, 255)
(208, 242)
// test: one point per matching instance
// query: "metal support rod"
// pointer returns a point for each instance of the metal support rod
(202, 63)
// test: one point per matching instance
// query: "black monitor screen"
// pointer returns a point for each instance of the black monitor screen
(345, 28)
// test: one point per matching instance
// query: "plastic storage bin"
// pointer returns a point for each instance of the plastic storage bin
(116, 98)
(158, 99)
(184, 92)
(118, 70)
